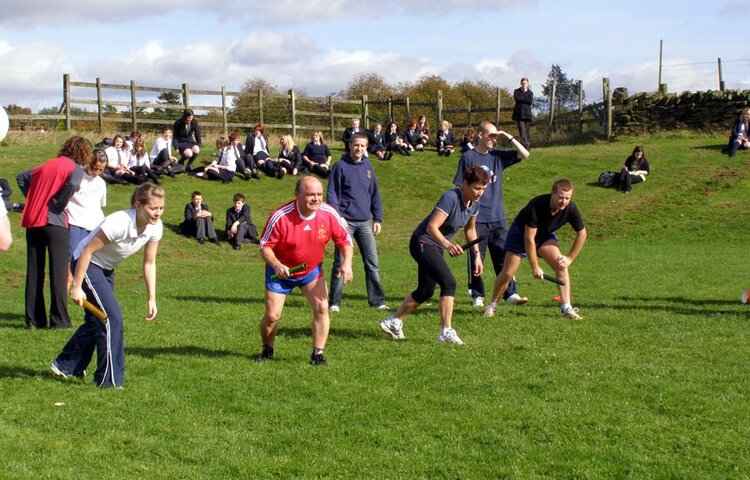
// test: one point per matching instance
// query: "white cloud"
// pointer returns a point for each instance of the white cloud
(30, 73)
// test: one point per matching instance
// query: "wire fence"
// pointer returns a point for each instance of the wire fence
(701, 76)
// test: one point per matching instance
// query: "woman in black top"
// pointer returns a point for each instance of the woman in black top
(522, 111)
(634, 171)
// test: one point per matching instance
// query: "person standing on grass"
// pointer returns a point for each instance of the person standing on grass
(532, 235)
(456, 209)
(492, 226)
(353, 192)
(48, 188)
(296, 233)
(119, 236)
(524, 98)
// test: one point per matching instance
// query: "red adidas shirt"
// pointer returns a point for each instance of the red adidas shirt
(296, 240)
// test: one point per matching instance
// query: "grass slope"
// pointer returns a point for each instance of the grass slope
(653, 384)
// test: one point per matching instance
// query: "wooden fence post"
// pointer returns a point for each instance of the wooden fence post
(497, 106)
(605, 94)
(99, 117)
(185, 95)
(224, 109)
(390, 109)
(468, 114)
(365, 111)
(330, 114)
(408, 109)
(260, 107)
(721, 77)
(133, 116)
(293, 112)
(580, 106)
(439, 106)
(552, 107)
(609, 111)
(66, 99)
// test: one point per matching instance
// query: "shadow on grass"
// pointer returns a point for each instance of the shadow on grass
(207, 299)
(12, 320)
(681, 306)
(305, 332)
(9, 371)
(184, 350)
(714, 148)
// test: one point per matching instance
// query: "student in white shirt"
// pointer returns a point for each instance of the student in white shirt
(161, 156)
(140, 164)
(119, 157)
(119, 236)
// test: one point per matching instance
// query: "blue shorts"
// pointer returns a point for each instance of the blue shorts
(514, 240)
(286, 285)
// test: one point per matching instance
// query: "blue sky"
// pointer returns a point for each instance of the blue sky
(318, 46)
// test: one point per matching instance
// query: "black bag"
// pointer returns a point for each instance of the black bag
(106, 142)
(607, 179)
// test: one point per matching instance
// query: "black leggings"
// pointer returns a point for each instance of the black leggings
(626, 180)
(432, 270)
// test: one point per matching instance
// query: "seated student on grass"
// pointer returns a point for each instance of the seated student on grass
(140, 164)
(445, 139)
(423, 129)
(457, 208)
(635, 170)
(6, 236)
(290, 158)
(739, 138)
(532, 235)
(349, 132)
(239, 227)
(199, 221)
(119, 156)
(256, 152)
(376, 142)
(130, 139)
(317, 157)
(222, 169)
(186, 139)
(469, 140)
(162, 160)
(394, 141)
(412, 139)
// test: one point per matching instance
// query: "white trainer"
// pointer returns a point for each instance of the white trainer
(393, 327)
(334, 308)
(450, 336)
(490, 310)
(516, 299)
(383, 307)
(57, 372)
(743, 297)
(571, 313)
(478, 302)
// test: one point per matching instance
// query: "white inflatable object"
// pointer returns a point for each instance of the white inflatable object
(4, 123)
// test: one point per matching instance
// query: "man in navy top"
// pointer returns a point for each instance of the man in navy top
(353, 192)
(492, 225)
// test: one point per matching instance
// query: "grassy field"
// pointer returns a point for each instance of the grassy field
(653, 384)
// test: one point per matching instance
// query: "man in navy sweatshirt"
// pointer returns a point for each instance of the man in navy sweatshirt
(353, 192)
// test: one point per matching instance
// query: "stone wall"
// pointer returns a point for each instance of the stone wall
(649, 112)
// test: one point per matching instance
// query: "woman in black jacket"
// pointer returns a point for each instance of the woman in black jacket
(522, 111)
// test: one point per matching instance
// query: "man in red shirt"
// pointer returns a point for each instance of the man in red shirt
(296, 233)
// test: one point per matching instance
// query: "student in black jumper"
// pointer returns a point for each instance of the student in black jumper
(635, 170)
(444, 141)
(256, 153)
(394, 141)
(317, 157)
(186, 139)
(199, 221)
(290, 158)
(239, 227)
(522, 111)
(349, 133)
(376, 142)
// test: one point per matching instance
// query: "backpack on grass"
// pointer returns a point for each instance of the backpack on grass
(607, 179)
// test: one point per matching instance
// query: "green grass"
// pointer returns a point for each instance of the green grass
(653, 384)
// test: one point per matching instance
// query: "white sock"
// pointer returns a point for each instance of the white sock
(565, 307)
(443, 331)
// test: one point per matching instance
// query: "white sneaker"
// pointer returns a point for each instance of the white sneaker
(393, 327)
(478, 302)
(450, 336)
(516, 299)
(383, 307)
(334, 308)
(57, 372)
(490, 310)
(572, 313)
(743, 297)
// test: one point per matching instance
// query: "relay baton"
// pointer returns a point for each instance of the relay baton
(292, 271)
(94, 310)
(552, 279)
(467, 245)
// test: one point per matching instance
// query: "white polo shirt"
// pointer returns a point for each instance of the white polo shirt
(121, 230)
(85, 206)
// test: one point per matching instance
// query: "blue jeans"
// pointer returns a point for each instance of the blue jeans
(361, 232)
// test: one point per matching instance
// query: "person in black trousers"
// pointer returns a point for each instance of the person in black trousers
(199, 221)
(522, 111)
(240, 228)
(48, 188)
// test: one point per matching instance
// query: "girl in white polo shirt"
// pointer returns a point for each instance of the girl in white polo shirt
(120, 235)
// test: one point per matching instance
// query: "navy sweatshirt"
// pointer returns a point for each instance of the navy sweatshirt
(353, 190)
